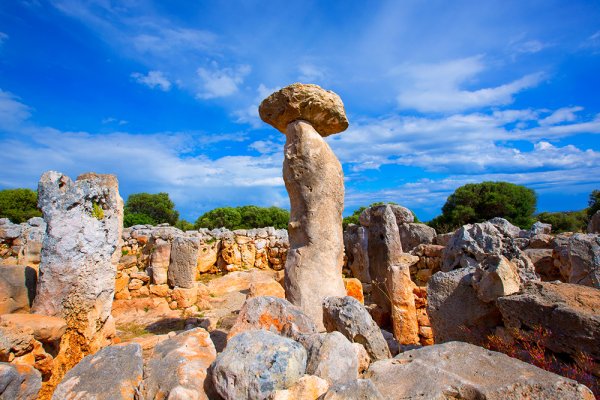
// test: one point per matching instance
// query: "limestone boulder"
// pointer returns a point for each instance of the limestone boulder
(237, 281)
(414, 234)
(455, 311)
(113, 373)
(347, 316)
(544, 264)
(570, 313)
(403, 215)
(275, 315)
(44, 328)
(540, 241)
(15, 341)
(266, 288)
(540, 228)
(360, 389)
(187, 357)
(403, 310)
(594, 224)
(314, 180)
(208, 254)
(465, 371)
(331, 356)
(17, 288)
(182, 267)
(584, 260)
(159, 261)
(275, 363)
(354, 289)
(309, 387)
(496, 276)
(356, 245)
(19, 382)
(323, 109)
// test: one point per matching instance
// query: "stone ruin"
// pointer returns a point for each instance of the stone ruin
(437, 296)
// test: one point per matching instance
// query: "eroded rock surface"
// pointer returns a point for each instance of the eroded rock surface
(19, 382)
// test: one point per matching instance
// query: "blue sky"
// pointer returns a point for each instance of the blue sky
(438, 94)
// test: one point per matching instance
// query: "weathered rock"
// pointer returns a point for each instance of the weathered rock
(331, 357)
(356, 245)
(385, 250)
(442, 239)
(17, 340)
(507, 228)
(44, 328)
(361, 389)
(113, 373)
(455, 311)
(184, 256)
(362, 357)
(237, 281)
(496, 276)
(309, 387)
(541, 241)
(178, 367)
(347, 316)
(571, 314)
(354, 289)
(256, 363)
(323, 109)
(400, 290)
(266, 288)
(17, 288)
(594, 224)
(584, 258)
(403, 215)
(185, 297)
(314, 180)
(275, 315)
(540, 228)
(464, 371)
(19, 382)
(471, 244)
(414, 234)
(208, 253)
(544, 264)
(159, 261)
(391, 341)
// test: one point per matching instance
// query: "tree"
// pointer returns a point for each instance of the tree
(18, 205)
(568, 221)
(478, 202)
(184, 225)
(593, 203)
(244, 217)
(353, 219)
(150, 209)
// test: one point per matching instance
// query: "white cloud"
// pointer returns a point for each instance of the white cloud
(12, 111)
(566, 114)
(153, 79)
(112, 120)
(220, 82)
(249, 114)
(310, 73)
(436, 87)
(531, 46)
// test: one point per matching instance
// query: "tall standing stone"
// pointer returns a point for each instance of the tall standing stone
(315, 183)
(79, 254)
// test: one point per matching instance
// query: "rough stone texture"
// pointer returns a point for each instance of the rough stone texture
(19, 382)
(400, 290)
(361, 389)
(309, 387)
(594, 224)
(571, 313)
(178, 367)
(540, 241)
(266, 288)
(159, 261)
(80, 253)
(15, 340)
(540, 228)
(464, 371)
(44, 328)
(584, 258)
(385, 249)
(208, 254)
(403, 215)
(275, 363)
(362, 357)
(272, 314)
(414, 234)
(471, 244)
(113, 373)
(184, 256)
(354, 289)
(348, 316)
(357, 251)
(323, 109)
(17, 288)
(455, 311)
(21, 244)
(544, 264)
(496, 276)
(331, 356)
(314, 180)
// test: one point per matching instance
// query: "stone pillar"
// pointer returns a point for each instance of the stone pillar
(78, 262)
(315, 183)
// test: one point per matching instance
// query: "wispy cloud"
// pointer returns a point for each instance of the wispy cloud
(3, 38)
(154, 79)
(12, 111)
(310, 73)
(249, 114)
(112, 120)
(566, 114)
(220, 82)
(437, 87)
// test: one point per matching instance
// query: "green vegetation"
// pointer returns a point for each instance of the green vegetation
(184, 225)
(152, 209)
(353, 219)
(97, 211)
(593, 203)
(568, 221)
(245, 217)
(18, 205)
(478, 202)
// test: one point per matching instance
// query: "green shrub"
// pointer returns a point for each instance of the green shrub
(244, 217)
(156, 209)
(18, 205)
(567, 221)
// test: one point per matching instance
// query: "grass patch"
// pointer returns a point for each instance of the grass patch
(132, 330)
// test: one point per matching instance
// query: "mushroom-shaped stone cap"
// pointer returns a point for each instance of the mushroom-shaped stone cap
(322, 108)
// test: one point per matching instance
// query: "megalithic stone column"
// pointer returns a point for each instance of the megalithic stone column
(315, 183)
(78, 263)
